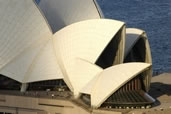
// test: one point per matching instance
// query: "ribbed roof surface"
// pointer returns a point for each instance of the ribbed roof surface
(85, 40)
(21, 27)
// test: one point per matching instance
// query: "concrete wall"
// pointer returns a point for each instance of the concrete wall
(28, 105)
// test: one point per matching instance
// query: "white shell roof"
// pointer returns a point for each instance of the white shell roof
(44, 66)
(85, 40)
(61, 13)
(20, 26)
(112, 79)
(82, 74)
(29, 52)
(18, 67)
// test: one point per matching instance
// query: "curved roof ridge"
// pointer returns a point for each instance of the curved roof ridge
(23, 25)
(85, 40)
(112, 79)
(44, 66)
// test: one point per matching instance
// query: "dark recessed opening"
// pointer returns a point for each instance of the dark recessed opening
(8, 83)
(86, 99)
(131, 94)
(138, 52)
(52, 85)
(108, 56)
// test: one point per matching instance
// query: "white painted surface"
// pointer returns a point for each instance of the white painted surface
(82, 73)
(44, 66)
(21, 27)
(18, 67)
(85, 40)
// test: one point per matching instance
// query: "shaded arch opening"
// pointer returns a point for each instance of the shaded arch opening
(112, 53)
(9, 84)
(138, 52)
(131, 94)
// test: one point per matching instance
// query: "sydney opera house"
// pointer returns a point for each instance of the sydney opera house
(65, 57)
